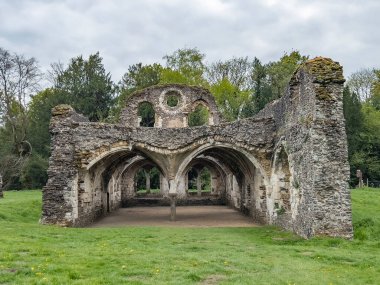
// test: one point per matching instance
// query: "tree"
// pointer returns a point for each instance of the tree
(361, 83)
(375, 91)
(184, 66)
(19, 78)
(39, 118)
(137, 77)
(238, 71)
(367, 157)
(280, 72)
(140, 76)
(86, 86)
(353, 118)
(230, 100)
(262, 91)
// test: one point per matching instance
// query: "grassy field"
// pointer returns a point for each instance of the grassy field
(34, 254)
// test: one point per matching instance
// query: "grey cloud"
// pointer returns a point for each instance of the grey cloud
(127, 32)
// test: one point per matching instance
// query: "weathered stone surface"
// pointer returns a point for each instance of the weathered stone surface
(286, 166)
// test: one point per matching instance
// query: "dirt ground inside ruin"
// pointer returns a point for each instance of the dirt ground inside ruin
(187, 216)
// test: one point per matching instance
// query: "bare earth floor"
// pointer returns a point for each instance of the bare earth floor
(187, 216)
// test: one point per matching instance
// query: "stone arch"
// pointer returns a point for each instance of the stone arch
(102, 184)
(245, 180)
(128, 175)
(124, 150)
(227, 146)
(217, 176)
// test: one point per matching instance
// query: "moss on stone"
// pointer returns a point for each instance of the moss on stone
(62, 109)
(324, 70)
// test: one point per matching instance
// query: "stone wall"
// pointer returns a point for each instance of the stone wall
(166, 116)
(286, 166)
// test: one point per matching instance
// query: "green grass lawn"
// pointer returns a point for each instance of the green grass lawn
(35, 254)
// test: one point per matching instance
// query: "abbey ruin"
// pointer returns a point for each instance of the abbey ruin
(285, 166)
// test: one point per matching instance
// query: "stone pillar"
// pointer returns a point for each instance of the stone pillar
(147, 181)
(172, 197)
(173, 211)
(199, 184)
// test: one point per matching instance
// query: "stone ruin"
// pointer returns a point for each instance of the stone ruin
(285, 166)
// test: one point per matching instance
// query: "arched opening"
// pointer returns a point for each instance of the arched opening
(147, 181)
(199, 116)
(234, 176)
(110, 182)
(199, 180)
(146, 114)
(172, 98)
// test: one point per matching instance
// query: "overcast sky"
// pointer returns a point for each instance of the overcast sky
(126, 32)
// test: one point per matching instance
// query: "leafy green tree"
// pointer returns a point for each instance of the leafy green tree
(361, 83)
(39, 118)
(367, 157)
(353, 119)
(19, 78)
(86, 86)
(280, 72)
(237, 70)
(140, 76)
(262, 91)
(33, 174)
(199, 116)
(230, 100)
(147, 114)
(354, 125)
(375, 91)
(137, 77)
(185, 66)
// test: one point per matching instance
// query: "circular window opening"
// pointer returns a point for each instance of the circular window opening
(172, 99)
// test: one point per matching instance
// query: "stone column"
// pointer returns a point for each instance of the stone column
(147, 181)
(199, 185)
(172, 197)
(173, 211)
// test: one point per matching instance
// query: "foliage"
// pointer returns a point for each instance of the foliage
(199, 116)
(230, 99)
(361, 83)
(137, 77)
(147, 114)
(375, 91)
(184, 66)
(238, 71)
(280, 72)
(34, 254)
(367, 157)
(205, 179)
(39, 118)
(19, 78)
(261, 87)
(86, 86)
(33, 174)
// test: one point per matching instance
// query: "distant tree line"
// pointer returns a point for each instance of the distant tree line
(241, 87)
